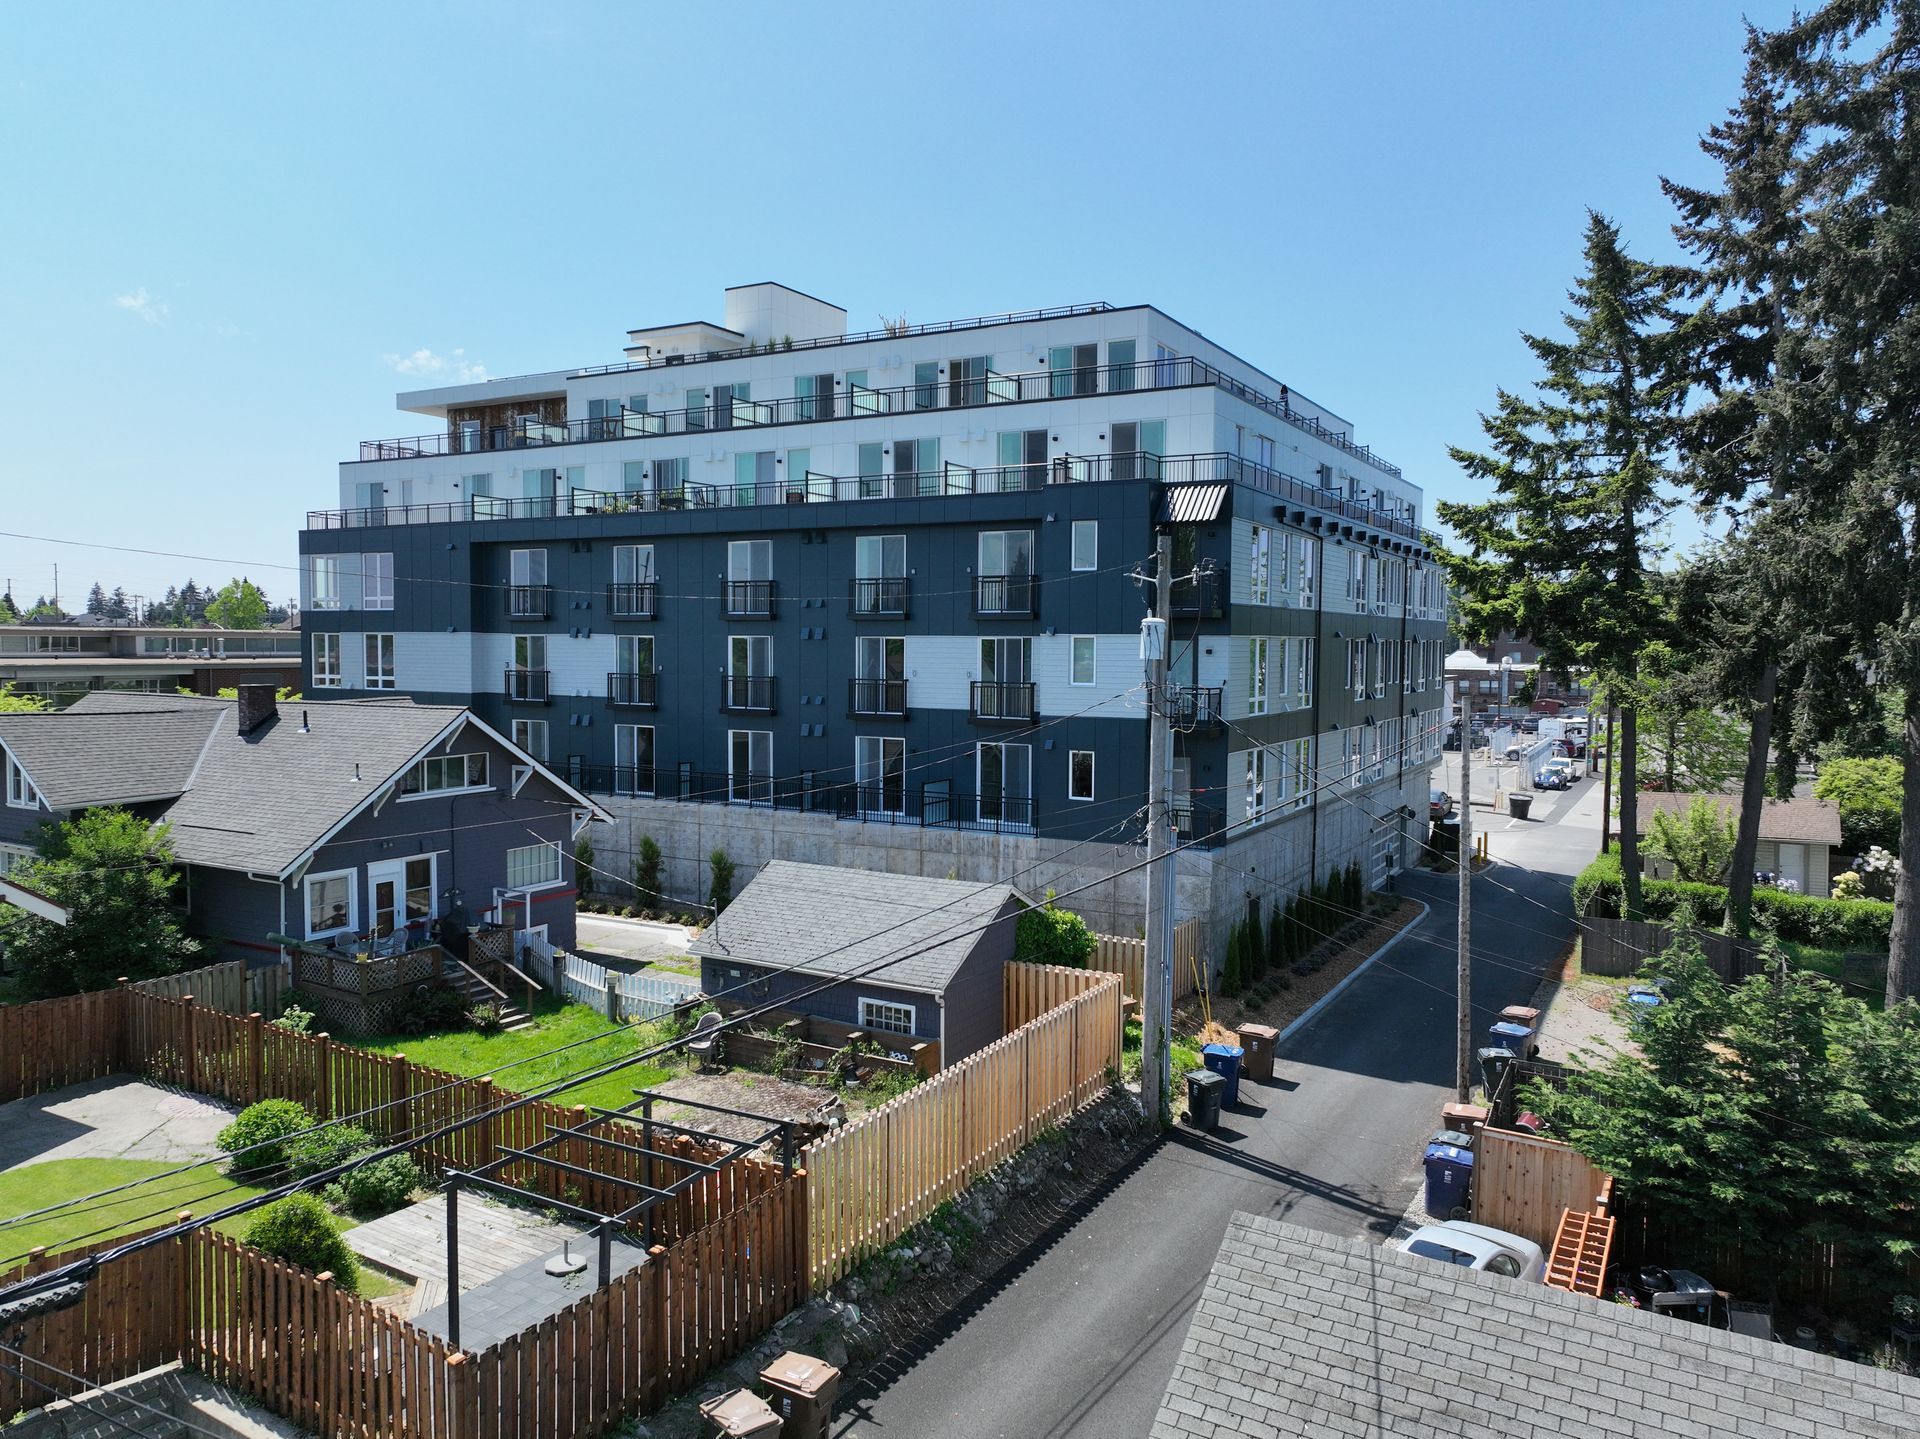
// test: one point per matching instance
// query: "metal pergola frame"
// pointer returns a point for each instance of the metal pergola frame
(485, 1178)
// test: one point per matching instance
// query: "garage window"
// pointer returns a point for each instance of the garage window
(883, 1014)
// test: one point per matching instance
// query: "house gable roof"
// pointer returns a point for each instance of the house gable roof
(142, 749)
(1797, 821)
(1303, 1333)
(827, 921)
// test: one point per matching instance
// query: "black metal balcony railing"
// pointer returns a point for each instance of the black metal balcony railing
(877, 697)
(1001, 701)
(888, 596)
(1198, 823)
(1196, 707)
(529, 602)
(633, 689)
(1006, 595)
(526, 686)
(1204, 597)
(855, 401)
(750, 599)
(747, 694)
(634, 600)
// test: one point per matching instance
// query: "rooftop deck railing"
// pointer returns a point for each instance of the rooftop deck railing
(856, 401)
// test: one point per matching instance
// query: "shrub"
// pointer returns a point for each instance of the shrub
(721, 894)
(1277, 936)
(431, 1007)
(1866, 791)
(1051, 935)
(583, 874)
(377, 1187)
(1862, 924)
(296, 1019)
(299, 1230)
(1356, 886)
(310, 1154)
(257, 1137)
(1849, 886)
(646, 872)
(486, 1018)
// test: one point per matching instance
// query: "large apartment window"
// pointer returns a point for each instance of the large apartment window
(1073, 370)
(440, 773)
(750, 766)
(1257, 675)
(926, 385)
(379, 672)
(1086, 544)
(20, 791)
(916, 467)
(753, 481)
(1120, 355)
(813, 397)
(635, 595)
(1257, 780)
(879, 674)
(332, 903)
(1023, 460)
(750, 578)
(527, 584)
(1006, 661)
(527, 680)
(377, 581)
(696, 407)
(1357, 668)
(633, 759)
(1005, 776)
(1082, 662)
(323, 582)
(1302, 658)
(1137, 448)
(880, 575)
(1300, 760)
(880, 773)
(326, 661)
(1005, 576)
(1301, 551)
(749, 682)
(1080, 774)
(967, 380)
(531, 736)
(1260, 567)
(533, 866)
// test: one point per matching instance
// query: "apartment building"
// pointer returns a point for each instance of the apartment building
(61, 662)
(871, 598)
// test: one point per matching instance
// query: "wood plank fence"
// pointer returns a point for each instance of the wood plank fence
(1619, 947)
(1118, 954)
(874, 1179)
(232, 988)
(1521, 1183)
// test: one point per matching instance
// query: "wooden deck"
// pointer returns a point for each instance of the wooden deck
(494, 1239)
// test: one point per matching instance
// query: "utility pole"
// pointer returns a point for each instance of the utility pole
(1156, 1075)
(1463, 964)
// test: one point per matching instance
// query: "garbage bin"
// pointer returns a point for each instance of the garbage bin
(741, 1414)
(1224, 1060)
(1449, 1180)
(1493, 1067)
(804, 1389)
(1204, 1090)
(1521, 1014)
(1518, 804)
(1258, 1040)
(1466, 1119)
(1506, 1035)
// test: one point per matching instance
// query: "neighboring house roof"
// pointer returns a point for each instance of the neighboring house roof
(822, 920)
(1303, 1333)
(142, 749)
(257, 803)
(1797, 820)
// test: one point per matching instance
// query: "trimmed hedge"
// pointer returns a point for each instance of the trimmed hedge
(1845, 924)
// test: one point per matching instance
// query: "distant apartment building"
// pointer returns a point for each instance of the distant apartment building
(62, 662)
(871, 598)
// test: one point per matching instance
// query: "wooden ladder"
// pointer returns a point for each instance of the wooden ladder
(1581, 1249)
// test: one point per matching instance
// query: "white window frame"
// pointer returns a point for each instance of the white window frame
(1073, 659)
(1091, 529)
(559, 868)
(1303, 766)
(15, 856)
(326, 661)
(376, 581)
(351, 877)
(522, 734)
(323, 595)
(21, 791)
(1260, 567)
(1073, 756)
(912, 1013)
(425, 768)
(375, 675)
(521, 568)
(1257, 780)
(1257, 687)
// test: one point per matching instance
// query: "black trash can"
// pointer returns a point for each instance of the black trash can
(1205, 1091)
(1519, 804)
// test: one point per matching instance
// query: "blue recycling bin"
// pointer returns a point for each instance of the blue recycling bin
(1449, 1180)
(1224, 1060)
(1507, 1035)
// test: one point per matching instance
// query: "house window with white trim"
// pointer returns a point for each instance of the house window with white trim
(1260, 569)
(1257, 778)
(1082, 667)
(326, 661)
(15, 856)
(1297, 755)
(1257, 676)
(531, 736)
(440, 773)
(1080, 774)
(533, 866)
(379, 673)
(20, 791)
(1086, 544)
(377, 580)
(886, 1015)
(331, 903)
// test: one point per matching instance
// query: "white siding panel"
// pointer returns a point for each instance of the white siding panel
(441, 663)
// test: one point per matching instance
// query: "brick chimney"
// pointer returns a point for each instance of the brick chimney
(257, 706)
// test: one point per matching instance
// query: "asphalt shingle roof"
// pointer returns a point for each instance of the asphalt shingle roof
(1302, 1333)
(143, 749)
(1798, 820)
(851, 918)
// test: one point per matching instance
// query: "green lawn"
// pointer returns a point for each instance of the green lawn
(35, 1186)
(1828, 962)
(464, 1052)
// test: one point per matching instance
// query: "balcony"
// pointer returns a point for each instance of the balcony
(1204, 597)
(635, 600)
(747, 694)
(750, 599)
(527, 687)
(882, 598)
(1196, 823)
(1006, 596)
(883, 697)
(1196, 708)
(530, 602)
(630, 689)
(1000, 701)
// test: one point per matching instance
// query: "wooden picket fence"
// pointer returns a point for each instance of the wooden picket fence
(231, 988)
(56, 1042)
(1117, 954)
(614, 993)
(871, 1181)
(1522, 1183)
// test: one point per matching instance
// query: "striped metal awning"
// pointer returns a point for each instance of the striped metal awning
(1192, 504)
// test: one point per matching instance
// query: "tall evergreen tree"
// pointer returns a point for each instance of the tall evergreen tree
(1564, 550)
(97, 601)
(119, 607)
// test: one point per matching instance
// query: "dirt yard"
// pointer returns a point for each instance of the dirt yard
(748, 1090)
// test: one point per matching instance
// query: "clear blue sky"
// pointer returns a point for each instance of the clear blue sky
(226, 224)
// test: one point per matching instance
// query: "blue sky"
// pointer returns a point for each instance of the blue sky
(227, 226)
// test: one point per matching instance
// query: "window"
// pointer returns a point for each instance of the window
(15, 856)
(1086, 544)
(533, 866)
(442, 772)
(379, 674)
(884, 1014)
(1120, 355)
(814, 394)
(323, 582)
(20, 791)
(632, 564)
(1080, 774)
(873, 484)
(332, 904)
(670, 478)
(753, 482)
(526, 567)
(531, 736)
(1259, 570)
(377, 576)
(634, 479)
(633, 654)
(880, 772)
(926, 385)
(1005, 774)
(633, 759)
(750, 766)
(529, 652)
(1006, 661)
(1023, 460)
(696, 407)
(1074, 369)
(1257, 777)
(1083, 653)
(326, 661)
(1302, 548)
(748, 656)
(1257, 676)
(1357, 668)
(1005, 574)
(1137, 448)
(916, 467)
(1300, 760)
(1303, 674)
(749, 560)
(967, 380)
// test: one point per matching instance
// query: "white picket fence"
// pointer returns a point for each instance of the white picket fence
(613, 993)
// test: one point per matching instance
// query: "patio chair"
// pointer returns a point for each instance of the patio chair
(706, 1038)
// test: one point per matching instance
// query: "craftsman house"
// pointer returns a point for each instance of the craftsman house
(1798, 838)
(354, 822)
(920, 959)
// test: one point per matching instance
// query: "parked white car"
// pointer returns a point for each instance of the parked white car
(1475, 1246)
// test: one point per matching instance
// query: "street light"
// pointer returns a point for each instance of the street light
(1463, 666)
